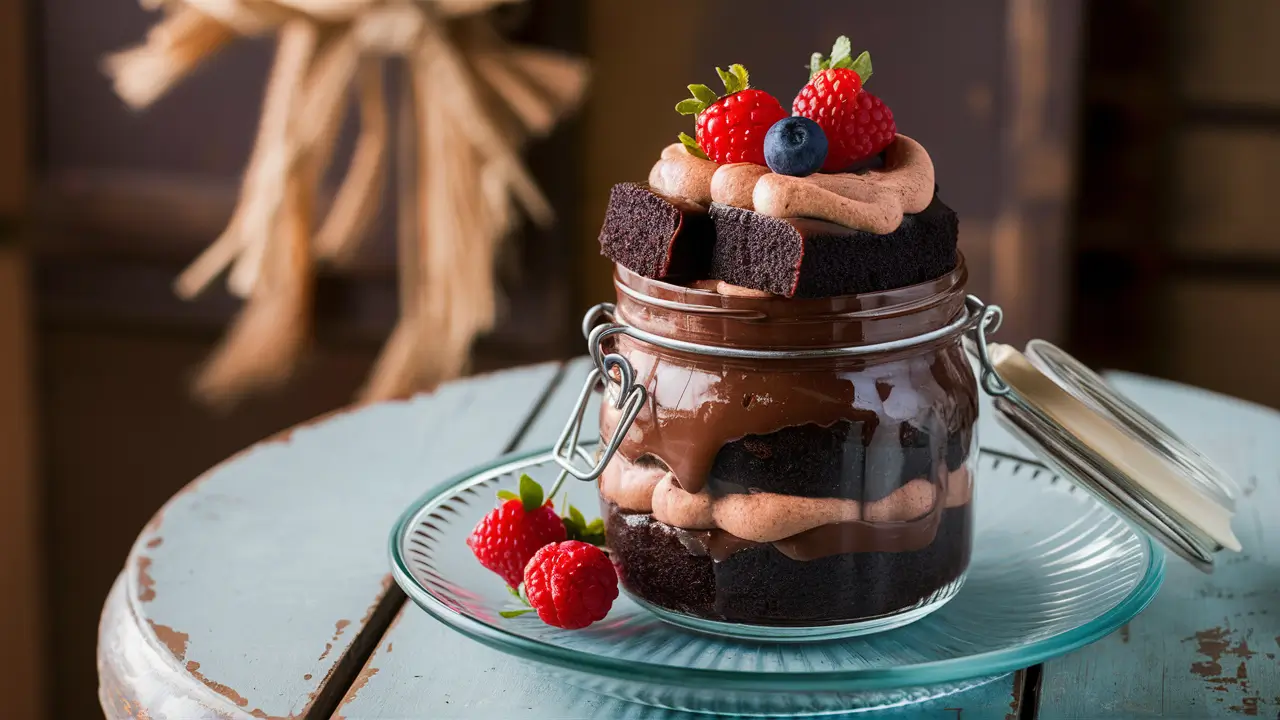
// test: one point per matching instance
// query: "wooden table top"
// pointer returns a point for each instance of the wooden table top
(262, 590)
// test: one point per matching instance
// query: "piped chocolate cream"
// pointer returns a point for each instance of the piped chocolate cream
(874, 201)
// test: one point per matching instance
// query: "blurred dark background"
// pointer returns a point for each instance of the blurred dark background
(1113, 163)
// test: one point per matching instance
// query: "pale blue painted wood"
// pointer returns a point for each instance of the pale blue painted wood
(422, 669)
(1207, 647)
(256, 579)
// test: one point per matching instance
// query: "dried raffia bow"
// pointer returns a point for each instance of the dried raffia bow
(474, 98)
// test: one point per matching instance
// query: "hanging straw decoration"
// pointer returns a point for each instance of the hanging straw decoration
(469, 101)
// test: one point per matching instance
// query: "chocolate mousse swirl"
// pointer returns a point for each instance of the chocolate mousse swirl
(874, 201)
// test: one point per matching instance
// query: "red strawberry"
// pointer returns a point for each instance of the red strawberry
(730, 129)
(506, 538)
(858, 124)
(571, 584)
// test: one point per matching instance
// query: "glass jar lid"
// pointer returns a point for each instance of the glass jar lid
(1077, 424)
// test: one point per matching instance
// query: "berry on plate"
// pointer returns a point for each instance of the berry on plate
(730, 129)
(858, 124)
(795, 146)
(505, 539)
(570, 584)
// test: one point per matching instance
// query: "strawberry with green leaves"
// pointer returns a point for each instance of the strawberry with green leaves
(730, 129)
(858, 125)
(505, 539)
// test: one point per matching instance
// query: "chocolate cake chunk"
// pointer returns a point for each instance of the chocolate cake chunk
(761, 585)
(801, 257)
(657, 236)
(682, 582)
(838, 461)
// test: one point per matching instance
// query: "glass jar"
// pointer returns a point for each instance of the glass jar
(791, 466)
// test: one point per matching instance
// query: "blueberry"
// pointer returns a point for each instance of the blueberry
(795, 146)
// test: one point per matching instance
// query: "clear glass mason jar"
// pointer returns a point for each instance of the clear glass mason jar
(819, 489)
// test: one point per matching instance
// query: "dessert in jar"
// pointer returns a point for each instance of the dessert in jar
(794, 304)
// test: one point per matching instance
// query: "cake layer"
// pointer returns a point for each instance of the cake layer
(738, 581)
(838, 461)
(802, 257)
(656, 235)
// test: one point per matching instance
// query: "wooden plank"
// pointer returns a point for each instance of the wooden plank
(410, 675)
(266, 578)
(1223, 204)
(1207, 646)
(1214, 339)
(13, 108)
(1226, 52)
(22, 602)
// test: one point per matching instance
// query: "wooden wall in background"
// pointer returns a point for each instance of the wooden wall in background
(22, 602)
(989, 87)
(1223, 301)
(1179, 242)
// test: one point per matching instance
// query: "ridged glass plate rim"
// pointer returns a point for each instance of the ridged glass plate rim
(933, 672)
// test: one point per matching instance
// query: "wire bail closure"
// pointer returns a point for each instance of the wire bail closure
(600, 323)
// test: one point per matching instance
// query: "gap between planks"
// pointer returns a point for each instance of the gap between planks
(344, 674)
(1026, 693)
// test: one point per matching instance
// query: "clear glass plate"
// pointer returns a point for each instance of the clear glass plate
(1052, 570)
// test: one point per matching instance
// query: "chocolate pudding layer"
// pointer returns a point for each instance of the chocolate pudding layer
(756, 583)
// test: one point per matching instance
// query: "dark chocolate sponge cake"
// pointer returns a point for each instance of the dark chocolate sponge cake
(801, 257)
(837, 461)
(658, 236)
(759, 584)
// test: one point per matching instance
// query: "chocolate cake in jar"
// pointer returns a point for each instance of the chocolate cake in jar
(791, 301)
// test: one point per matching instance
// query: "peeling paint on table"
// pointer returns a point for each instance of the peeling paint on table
(247, 591)
(1207, 645)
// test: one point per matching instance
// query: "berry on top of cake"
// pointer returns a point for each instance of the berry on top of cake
(730, 129)
(858, 124)
(828, 201)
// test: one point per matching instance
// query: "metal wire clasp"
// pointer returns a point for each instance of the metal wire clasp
(629, 397)
(987, 321)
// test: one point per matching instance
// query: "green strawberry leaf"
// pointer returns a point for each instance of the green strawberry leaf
(841, 53)
(740, 72)
(576, 516)
(515, 592)
(507, 495)
(704, 93)
(690, 106)
(730, 82)
(816, 64)
(515, 613)
(862, 66)
(596, 526)
(692, 146)
(530, 493)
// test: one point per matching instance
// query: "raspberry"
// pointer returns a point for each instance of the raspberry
(505, 539)
(571, 584)
(857, 124)
(730, 129)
